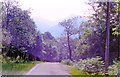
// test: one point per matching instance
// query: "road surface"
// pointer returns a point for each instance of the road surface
(49, 69)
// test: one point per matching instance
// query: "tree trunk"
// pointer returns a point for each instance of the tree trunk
(118, 27)
(107, 38)
(68, 38)
(7, 5)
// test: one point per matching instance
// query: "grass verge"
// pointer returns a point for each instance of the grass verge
(78, 73)
(17, 68)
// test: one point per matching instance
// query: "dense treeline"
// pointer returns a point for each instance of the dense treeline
(18, 31)
(21, 40)
(81, 39)
(99, 19)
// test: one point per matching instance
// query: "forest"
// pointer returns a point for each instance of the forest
(82, 44)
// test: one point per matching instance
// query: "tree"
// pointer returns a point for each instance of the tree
(90, 43)
(117, 28)
(107, 38)
(62, 47)
(69, 30)
(99, 19)
(18, 24)
(49, 52)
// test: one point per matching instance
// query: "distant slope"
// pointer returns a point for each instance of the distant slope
(56, 31)
(52, 27)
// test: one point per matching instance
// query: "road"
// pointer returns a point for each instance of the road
(49, 69)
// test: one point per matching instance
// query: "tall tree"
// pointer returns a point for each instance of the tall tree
(19, 26)
(69, 30)
(49, 52)
(99, 21)
(107, 38)
(90, 44)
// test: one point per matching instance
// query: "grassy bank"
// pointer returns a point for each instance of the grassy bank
(76, 72)
(79, 73)
(17, 68)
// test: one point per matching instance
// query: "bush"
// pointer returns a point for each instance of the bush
(114, 69)
(90, 65)
(67, 62)
(6, 59)
(74, 71)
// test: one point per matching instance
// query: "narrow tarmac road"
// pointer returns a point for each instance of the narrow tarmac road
(49, 69)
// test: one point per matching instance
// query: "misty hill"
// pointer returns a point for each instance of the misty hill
(55, 29)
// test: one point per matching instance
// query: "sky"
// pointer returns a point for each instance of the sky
(55, 11)
(48, 13)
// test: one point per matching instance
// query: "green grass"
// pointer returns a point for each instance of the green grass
(19, 66)
(74, 71)
(78, 73)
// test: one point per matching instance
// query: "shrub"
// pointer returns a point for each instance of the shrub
(114, 69)
(6, 59)
(90, 65)
(67, 62)
(74, 71)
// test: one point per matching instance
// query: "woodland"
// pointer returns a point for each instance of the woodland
(82, 44)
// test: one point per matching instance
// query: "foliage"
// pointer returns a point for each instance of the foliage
(70, 25)
(70, 28)
(62, 48)
(18, 23)
(74, 71)
(49, 47)
(116, 30)
(90, 65)
(117, 27)
(114, 69)
(19, 32)
(14, 54)
(98, 21)
(13, 60)
(78, 73)
(47, 36)
(67, 62)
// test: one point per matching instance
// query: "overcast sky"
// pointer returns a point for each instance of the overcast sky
(55, 10)
(48, 13)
